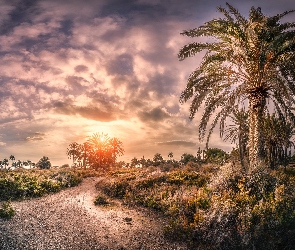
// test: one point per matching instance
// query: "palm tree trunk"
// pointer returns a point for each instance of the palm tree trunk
(256, 107)
(241, 150)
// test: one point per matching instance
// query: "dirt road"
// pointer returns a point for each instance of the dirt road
(69, 220)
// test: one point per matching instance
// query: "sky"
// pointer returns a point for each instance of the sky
(73, 68)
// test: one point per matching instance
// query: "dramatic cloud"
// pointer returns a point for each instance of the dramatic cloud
(72, 68)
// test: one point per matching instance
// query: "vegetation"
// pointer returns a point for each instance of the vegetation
(6, 210)
(101, 200)
(99, 151)
(248, 60)
(35, 183)
(214, 200)
(212, 206)
(44, 163)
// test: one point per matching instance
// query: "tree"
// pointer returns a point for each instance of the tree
(12, 158)
(116, 148)
(186, 158)
(44, 163)
(170, 155)
(247, 60)
(158, 159)
(239, 131)
(84, 153)
(278, 138)
(99, 143)
(216, 155)
(104, 150)
(73, 151)
(5, 163)
(19, 164)
(134, 162)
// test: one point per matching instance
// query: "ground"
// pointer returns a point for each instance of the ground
(69, 220)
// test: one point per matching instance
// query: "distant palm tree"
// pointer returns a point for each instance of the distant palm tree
(5, 163)
(238, 131)
(116, 147)
(278, 138)
(84, 153)
(19, 164)
(247, 60)
(170, 155)
(29, 163)
(12, 158)
(99, 143)
(73, 151)
(44, 163)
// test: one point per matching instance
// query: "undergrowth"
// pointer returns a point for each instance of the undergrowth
(35, 183)
(6, 210)
(214, 208)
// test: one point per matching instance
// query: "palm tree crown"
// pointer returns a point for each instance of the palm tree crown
(247, 62)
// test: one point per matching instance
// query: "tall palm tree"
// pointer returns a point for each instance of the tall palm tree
(247, 61)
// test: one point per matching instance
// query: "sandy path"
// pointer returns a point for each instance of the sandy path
(69, 220)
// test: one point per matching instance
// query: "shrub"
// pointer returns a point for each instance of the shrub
(6, 210)
(101, 200)
(24, 184)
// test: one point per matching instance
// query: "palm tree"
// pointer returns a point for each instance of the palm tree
(247, 61)
(73, 151)
(12, 158)
(278, 138)
(5, 163)
(44, 163)
(84, 153)
(238, 131)
(99, 143)
(116, 147)
(170, 155)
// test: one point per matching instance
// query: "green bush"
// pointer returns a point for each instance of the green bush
(27, 183)
(6, 210)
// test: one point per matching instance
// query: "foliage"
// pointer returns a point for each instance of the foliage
(213, 206)
(100, 151)
(216, 155)
(6, 210)
(186, 158)
(158, 159)
(44, 163)
(238, 132)
(101, 200)
(277, 139)
(35, 183)
(247, 60)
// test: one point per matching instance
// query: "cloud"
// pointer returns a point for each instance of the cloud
(36, 137)
(178, 143)
(88, 112)
(81, 68)
(154, 115)
(121, 65)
